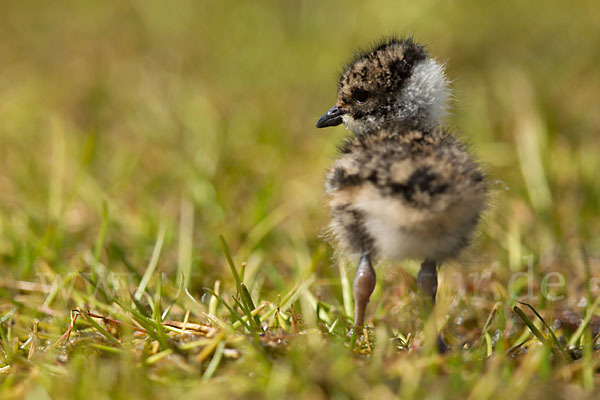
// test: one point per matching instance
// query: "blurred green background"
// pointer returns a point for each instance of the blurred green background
(210, 107)
(199, 116)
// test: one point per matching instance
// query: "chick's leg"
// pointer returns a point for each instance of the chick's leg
(427, 279)
(364, 283)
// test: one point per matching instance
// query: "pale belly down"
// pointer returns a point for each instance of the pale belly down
(395, 242)
(401, 232)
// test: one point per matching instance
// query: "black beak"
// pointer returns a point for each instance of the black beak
(332, 117)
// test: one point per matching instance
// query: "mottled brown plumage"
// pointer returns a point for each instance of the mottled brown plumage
(420, 187)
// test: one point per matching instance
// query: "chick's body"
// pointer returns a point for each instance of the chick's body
(398, 194)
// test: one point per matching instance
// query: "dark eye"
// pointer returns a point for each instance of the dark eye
(360, 95)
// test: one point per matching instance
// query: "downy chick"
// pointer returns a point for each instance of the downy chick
(402, 187)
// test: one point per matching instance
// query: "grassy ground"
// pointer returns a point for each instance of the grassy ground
(133, 134)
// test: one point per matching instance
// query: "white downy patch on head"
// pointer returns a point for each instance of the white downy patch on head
(425, 95)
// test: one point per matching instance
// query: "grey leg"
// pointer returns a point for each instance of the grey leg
(427, 284)
(364, 283)
(427, 279)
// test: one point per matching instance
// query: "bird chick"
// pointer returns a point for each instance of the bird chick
(402, 187)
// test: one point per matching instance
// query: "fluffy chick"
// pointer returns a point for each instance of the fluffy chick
(402, 186)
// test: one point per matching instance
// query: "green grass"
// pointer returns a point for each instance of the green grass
(134, 135)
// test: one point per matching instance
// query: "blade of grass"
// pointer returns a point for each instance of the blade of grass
(588, 364)
(168, 309)
(99, 245)
(247, 299)
(529, 324)
(346, 288)
(10, 355)
(156, 310)
(243, 271)
(208, 349)
(186, 239)
(153, 261)
(254, 327)
(247, 313)
(232, 312)
(213, 303)
(214, 362)
(108, 349)
(488, 342)
(99, 328)
(580, 329)
(154, 329)
(139, 306)
(489, 320)
(234, 272)
(564, 352)
(155, 321)
(153, 359)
